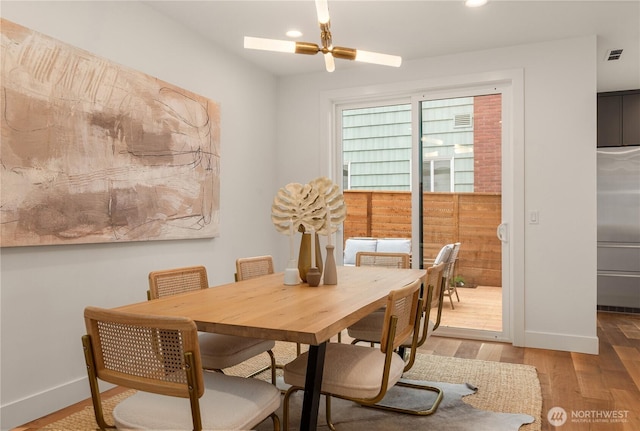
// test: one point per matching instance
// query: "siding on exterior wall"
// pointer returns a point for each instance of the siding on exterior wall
(377, 143)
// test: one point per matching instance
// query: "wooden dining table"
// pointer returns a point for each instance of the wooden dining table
(265, 307)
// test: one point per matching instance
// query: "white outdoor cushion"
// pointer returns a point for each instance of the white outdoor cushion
(349, 370)
(443, 255)
(228, 403)
(394, 245)
(220, 351)
(354, 245)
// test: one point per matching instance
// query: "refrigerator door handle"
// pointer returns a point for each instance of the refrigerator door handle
(503, 232)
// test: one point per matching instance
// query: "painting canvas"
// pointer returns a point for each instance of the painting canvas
(94, 152)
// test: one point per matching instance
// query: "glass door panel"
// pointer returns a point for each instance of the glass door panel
(460, 154)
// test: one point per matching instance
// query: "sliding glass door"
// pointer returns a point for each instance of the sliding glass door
(429, 167)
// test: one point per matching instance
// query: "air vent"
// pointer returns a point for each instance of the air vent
(614, 54)
(462, 120)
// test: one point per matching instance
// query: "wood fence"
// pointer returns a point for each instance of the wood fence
(468, 218)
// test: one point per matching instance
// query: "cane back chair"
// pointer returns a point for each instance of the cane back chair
(159, 357)
(361, 331)
(218, 351)
(251, 267)
(364, 374)
(369, 328)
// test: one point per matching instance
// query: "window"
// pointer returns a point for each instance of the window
(438, 175)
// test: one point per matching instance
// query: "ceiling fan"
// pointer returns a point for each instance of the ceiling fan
(329, 51)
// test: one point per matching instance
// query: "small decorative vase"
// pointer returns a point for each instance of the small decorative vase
(330, 272)
(304, 257)
(291, 274)
(313, 276)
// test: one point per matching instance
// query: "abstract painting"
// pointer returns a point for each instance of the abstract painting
(94, 152)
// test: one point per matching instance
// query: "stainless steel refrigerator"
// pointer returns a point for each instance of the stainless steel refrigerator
(619, 228)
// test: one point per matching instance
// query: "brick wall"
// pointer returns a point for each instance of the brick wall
(487, 141)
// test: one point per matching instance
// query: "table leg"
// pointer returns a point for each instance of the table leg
(312, 385)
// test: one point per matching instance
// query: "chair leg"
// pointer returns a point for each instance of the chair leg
(93, 385)
(451, 299)
(424, 412)
(285, 406)
(328, 413)
(273, 367)
(455, 289)
(276, 422)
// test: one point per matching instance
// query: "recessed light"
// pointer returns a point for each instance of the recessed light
(475, 3)
(294, 33)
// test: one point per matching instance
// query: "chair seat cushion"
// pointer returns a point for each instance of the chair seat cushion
(349, 370)
(369, 328)
(228, 403)
(430, 325)
(220, 351)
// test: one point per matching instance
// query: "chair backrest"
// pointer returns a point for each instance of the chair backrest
(434, 278)
(389, 260)
(179, 280)
(403, 309)
(142, 352)
(451, 262)
(434, 281)
(250, 267)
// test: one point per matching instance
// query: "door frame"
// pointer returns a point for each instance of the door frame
(513, 215)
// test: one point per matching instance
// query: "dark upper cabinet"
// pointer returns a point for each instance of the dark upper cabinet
(631, 119)
(619, 118)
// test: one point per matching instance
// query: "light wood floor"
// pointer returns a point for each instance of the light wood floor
(594, 385)
(478, 308)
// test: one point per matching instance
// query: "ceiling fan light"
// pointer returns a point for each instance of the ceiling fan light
(322, 9)
(329, 62)
(377, 58)
(269, 44)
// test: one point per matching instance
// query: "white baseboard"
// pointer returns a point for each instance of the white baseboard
(30, 408)
(564, 342)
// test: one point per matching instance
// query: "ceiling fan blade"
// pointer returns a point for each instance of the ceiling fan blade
(322, 9)
(378, 58)
(269, 44)
(280, 45)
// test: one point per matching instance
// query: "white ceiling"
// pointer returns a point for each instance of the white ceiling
(418, 29)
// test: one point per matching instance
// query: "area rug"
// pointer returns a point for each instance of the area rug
(508, 397)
